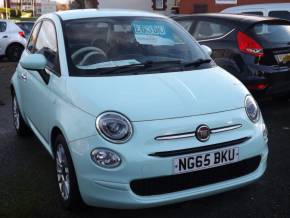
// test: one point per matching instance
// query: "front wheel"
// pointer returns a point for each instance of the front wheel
(68, 190)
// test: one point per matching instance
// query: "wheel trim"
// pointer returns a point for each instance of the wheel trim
(16, 114)
(62, 171)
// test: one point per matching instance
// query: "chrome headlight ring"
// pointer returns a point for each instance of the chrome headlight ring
(114, 127)
(252, 109)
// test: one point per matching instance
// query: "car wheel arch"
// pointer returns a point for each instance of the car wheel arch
(56, 131)
(13, 43)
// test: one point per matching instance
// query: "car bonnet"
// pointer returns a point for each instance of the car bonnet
(158, 96)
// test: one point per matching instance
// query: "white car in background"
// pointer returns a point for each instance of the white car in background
(12, 40)
(278, 10)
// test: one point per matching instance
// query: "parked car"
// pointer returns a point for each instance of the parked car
(12, 40)
(26, 26)
(134, 112)
(278, 10)
(254, 49)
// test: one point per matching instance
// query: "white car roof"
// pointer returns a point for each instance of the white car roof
(11, 26)
(272, 6)
(88, 13)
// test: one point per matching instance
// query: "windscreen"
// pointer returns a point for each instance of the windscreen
(113, 42)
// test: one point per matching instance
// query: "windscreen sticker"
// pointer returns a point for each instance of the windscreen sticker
(109, 64)
(152, 33)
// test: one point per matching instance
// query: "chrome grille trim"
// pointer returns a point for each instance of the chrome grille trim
(226, 128)
(192, 134)
(175, 136)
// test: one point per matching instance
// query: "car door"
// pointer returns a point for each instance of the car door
(38, 98)
(3, 37)
(21, 72)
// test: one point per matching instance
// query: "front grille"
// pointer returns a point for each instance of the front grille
(174, 183)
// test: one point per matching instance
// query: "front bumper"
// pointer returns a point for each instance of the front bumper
(111, 187)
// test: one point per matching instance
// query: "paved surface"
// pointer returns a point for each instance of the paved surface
(27, 177)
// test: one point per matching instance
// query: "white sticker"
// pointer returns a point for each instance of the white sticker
(152, 33)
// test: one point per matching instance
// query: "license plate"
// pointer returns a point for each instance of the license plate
(205, 160)
(283, 58)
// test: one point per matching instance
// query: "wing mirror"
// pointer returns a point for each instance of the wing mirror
(33, 62)
(206, 49)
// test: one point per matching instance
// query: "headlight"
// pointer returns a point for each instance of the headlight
(252, 109)
(114, 127)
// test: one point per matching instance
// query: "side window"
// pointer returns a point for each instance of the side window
(259, 13)
(46, 44)
(32, 39)
(208, 30)
(186, 24)
(280, 14)
(3, 26)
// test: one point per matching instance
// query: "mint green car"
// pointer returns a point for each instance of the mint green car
(134, 111)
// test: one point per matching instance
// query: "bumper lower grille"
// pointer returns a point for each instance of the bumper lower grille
(174, 183)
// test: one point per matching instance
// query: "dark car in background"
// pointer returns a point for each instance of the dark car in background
(26, 26)
(255, 49)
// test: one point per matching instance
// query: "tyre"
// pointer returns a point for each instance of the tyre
(14, 52)
(19, 124)
(67, 185)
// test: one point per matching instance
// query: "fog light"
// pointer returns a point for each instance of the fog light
(105, 158)
(265, 132)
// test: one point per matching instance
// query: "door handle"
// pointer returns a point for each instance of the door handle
(23, 76)
(4, 37)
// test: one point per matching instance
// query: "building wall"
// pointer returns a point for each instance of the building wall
(186, 6)
(145, 5)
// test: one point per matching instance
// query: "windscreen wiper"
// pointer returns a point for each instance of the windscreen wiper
(148, 65)
(197, 63)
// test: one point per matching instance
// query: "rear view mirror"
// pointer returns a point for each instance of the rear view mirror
(33, 62)
(206, 49)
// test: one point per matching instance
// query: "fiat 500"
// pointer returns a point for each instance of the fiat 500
(133, 111)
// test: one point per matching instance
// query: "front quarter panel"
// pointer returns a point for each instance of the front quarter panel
(72, 121)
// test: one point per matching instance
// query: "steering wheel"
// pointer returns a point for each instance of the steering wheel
(90, 52)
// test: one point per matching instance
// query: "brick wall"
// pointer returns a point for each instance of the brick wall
(186, 6)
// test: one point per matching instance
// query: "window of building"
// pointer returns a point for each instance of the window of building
(200, 8)
(3, 26)
(280, 14)
(208, 30)
(159, 5)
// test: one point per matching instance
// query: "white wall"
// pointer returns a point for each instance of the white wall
(144, 5)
